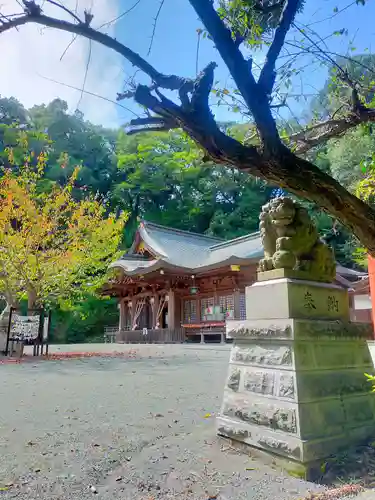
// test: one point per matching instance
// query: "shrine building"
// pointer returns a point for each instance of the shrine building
(174, 285)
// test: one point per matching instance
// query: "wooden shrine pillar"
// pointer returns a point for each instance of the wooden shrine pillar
(174, 307)
(124, 311)
(371, 276)
(236, 304)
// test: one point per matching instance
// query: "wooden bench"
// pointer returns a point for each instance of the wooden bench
(202, 330)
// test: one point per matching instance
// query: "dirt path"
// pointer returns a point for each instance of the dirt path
(129, 428)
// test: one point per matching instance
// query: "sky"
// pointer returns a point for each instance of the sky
(31, 56)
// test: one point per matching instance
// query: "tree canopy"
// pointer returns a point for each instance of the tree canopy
(52, 246)
(160, 176)
(274, 158)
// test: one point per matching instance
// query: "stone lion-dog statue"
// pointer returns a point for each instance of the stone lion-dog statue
(291, 241)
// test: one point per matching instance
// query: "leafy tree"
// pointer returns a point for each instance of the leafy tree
(53, 248)
(83, 321)
(365, 189)
(76, 142)
(241, 200)
(345, 155)
(19, 146)
(271, 159)
(336, 94)
(12, 111)
(251, 19)
(162, 177)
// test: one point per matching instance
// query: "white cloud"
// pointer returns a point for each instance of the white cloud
(33, 51)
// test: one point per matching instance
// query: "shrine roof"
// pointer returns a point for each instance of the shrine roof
(351, 274)
(190, 252)
(186, 250)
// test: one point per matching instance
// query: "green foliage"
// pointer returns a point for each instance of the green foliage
(52, 246)
(371, 379)
(335, 235)
(336, 93)
(162, 178)
(76, 142)
(251, 19)
(83, 321)
(346, 155)
(12, 111)
(365, 189)
(349, 158)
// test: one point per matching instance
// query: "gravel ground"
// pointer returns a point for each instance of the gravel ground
(135, 429)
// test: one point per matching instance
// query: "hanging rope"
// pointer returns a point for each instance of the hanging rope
(160, 310)
(138, 310)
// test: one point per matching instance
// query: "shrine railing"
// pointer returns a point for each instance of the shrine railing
(151, 336)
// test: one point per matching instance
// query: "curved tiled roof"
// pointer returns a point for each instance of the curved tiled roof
(187, 251)
(193, 252)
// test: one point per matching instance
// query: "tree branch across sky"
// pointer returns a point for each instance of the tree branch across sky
(273, 159)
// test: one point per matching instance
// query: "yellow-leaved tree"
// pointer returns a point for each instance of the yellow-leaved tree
(52, 247)
(365, 189)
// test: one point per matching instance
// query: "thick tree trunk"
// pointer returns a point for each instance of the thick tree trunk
(284, 169)
(31, 300)
(274, 163)
(305, 180)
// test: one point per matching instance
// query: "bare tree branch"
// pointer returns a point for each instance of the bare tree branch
(272, 161)
(154, 27)
(150, 124)
(254, 96)
(170, 82)
(199, 33)
(343, 74)
(123, 14)
(202, 89)
(162, 128)
(147, 120)
(335, 13)
(65, 9)
(74, 38)
(89, 93)
(319, 133)
(268, 74)
(85, 75)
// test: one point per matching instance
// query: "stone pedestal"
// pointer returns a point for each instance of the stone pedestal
(296, 385)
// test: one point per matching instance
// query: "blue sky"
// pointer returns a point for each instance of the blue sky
(175, 41)
(32, 55)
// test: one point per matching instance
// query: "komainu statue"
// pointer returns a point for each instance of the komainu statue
(291, 241)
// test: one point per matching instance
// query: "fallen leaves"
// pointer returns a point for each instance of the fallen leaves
(336, 493)
(57, 356)
(74, 355)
